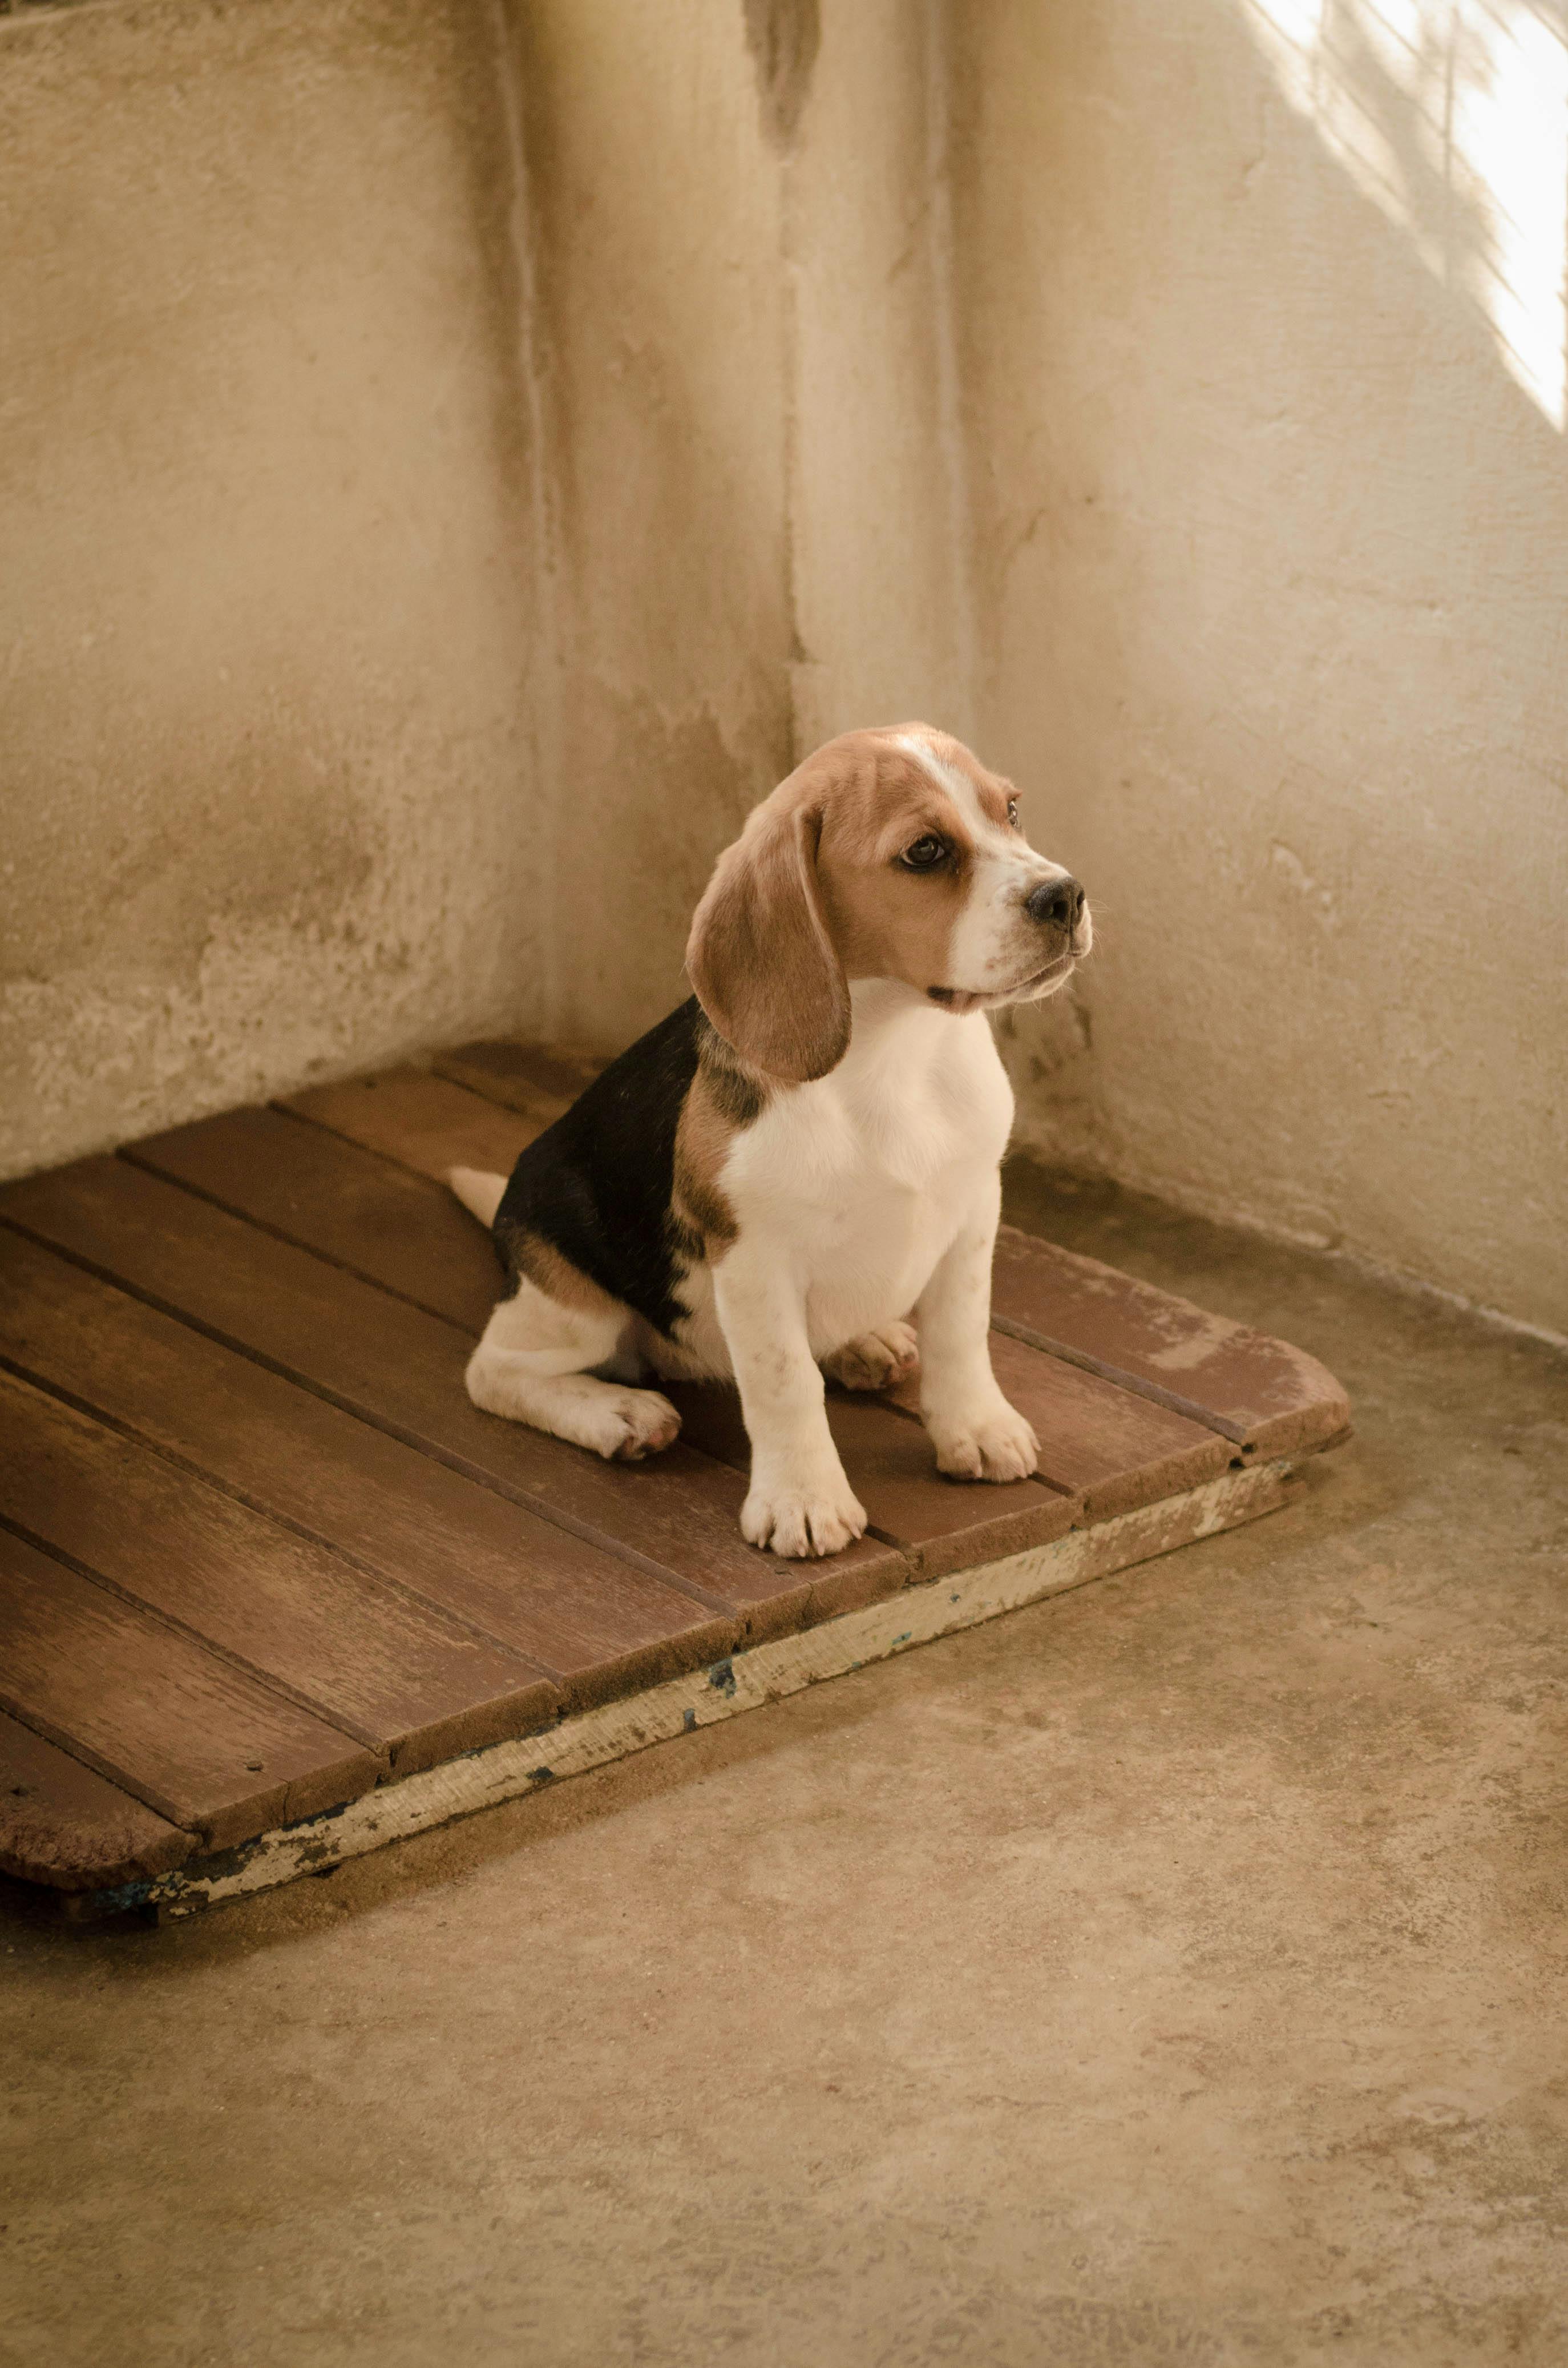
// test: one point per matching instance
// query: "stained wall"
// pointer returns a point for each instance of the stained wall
(757, 478)
(455, 460)
(270, 785)
(1270, 493)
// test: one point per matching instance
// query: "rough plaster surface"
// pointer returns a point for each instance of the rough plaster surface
(756, 463)
(1272, 556)
(499, 438)
(877, 486)
(1171, 1976)
(265, 607)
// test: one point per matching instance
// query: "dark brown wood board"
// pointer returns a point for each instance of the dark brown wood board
(175, 1724)
(353, 1206)
(598, 1624)
(887, 1459)
(424, 1120)
(65, 1824)
(262, 1565)
(539, 1080)
(400, 1370)
(1259, 1393)
(1098, 1444)
(400, 1676)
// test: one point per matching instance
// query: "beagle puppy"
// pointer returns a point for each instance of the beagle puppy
(769, 1182)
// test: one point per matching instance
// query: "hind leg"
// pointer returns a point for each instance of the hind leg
(876, 1361)
(535, 1364)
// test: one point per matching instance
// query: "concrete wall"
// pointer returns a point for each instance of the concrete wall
(757, 530)
(656, 204)
(493, 444)
(268, 797)
(457, 458)
(1271, 505)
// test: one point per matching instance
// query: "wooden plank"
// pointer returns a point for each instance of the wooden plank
(342, 1201)
(156, 1713)
(405, 1678)
(1256, 1391)
(424, 1121)
(62, 1824)
(402, 1369)
(1099, 1441)
(763, 1674)
(941, 1524)
(346, 1203)
(541, 1081)
(598, 1624)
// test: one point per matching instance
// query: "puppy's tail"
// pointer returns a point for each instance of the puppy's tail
(480, 1193)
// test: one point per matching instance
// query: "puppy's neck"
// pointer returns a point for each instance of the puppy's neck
(892, 1021)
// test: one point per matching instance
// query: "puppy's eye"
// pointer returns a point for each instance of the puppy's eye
(926, 853)
(1013, 811)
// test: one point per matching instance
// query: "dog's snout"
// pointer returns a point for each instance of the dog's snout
(1059, 903)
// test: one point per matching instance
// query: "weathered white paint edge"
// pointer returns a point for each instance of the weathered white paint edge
(766, 1673)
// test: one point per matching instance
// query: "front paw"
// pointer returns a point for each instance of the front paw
(988, 1442)
(801, 1519)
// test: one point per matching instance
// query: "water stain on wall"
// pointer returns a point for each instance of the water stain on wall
(783, 36)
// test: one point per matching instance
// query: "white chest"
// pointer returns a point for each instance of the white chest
(859, 1183)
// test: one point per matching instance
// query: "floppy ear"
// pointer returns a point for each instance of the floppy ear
(760, 955)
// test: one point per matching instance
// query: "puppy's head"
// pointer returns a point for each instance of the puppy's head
(889, 854)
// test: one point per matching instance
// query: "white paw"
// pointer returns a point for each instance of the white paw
(631, 1424)
(988, 1442)
(877, 1361)
(802, 1520)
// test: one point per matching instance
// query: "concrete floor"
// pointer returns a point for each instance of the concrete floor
(1172, 1972)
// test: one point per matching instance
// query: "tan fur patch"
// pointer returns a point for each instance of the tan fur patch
(550, 1271)
(888, 923)
(722, 1099)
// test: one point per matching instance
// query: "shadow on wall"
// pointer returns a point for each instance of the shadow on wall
(1271, 500)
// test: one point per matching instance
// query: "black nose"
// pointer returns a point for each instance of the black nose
(1060, 902)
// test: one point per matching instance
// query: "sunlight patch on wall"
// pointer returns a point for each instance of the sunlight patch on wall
(1452, 115)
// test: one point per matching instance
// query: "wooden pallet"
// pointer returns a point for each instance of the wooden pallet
(272, 1592)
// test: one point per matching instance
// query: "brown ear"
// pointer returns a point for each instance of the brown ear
(760, 955)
